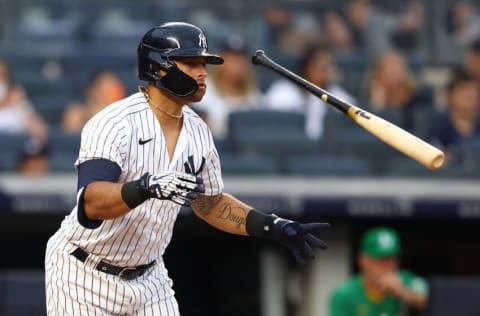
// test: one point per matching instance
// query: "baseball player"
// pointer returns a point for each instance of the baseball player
(381, 288)
(140, 160)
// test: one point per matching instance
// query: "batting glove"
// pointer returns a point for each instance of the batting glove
(297, 237)
(178, 187)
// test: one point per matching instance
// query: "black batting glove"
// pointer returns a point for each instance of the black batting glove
(296, 236)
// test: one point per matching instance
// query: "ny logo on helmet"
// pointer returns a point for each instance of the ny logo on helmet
(202, 40)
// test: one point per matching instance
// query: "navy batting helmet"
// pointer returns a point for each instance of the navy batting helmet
(164, 42)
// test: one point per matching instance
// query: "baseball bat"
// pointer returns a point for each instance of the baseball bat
(412, 146)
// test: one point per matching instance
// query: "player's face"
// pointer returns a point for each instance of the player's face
(374, 267)
(464, 98)
(473, 64)
(320, 69)
(196, 68)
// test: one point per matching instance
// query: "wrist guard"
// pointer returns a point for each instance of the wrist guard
(136, 192)
(260, 224)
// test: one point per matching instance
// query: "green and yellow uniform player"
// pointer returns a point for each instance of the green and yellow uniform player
(381, 288)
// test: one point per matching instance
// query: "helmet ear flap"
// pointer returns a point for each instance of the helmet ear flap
(174, 81)
(177, 82)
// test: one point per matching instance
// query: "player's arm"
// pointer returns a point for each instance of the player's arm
(223, 211)
(412, 298)
(101, 197)
(99, 193)
(392, 284)
(103, 200)
(229, 214)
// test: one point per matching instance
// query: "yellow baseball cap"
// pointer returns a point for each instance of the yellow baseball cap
(380, 242)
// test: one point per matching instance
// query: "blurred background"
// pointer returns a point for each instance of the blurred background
(415, 63)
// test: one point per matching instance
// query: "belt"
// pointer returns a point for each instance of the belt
(126, 273)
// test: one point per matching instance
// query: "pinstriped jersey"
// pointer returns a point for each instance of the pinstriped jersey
(128, 133)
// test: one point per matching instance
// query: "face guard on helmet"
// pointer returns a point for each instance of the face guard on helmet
(164, 42)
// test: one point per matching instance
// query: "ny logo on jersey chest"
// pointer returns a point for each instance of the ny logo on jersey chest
(190, 166)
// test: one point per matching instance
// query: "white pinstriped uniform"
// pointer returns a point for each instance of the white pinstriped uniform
(140, 236)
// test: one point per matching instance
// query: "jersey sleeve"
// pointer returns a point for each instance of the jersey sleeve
(414, 282)
(212, 173)
(339, 304)
(103, 139)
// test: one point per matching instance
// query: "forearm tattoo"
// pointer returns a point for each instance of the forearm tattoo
(232, 213)
(204, 204)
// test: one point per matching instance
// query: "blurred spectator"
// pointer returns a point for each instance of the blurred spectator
(17, 115)
(278, 20)
(472, 59)
(392, 88)
(33, 159)
(375, 31)
(408, 26)
(369, 26)
(231, 87)
(336, 33)
(461, 122)
(380, 288)
(290, 31)
(463, 23)
(318, 67)
(104, 88)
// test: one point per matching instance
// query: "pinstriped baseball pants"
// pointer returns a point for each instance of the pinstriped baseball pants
(76, 288)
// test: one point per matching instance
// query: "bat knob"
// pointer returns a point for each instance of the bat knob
(256, 57)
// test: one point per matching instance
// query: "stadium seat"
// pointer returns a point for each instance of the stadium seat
(40, 86)
(470, 153)
(224, 146)
(335, 122)
(404, 167)
(355, 142)
(329, 165)
(63, 150)
(11, 145)
(352, 72)
(275, 133)
(51, 106)
(238, 164)
(424, 118)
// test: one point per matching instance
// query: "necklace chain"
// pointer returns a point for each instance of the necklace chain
(149, 100)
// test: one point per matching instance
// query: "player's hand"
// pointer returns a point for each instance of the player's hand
(297, 237)
(390, 283)
(178, 187)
